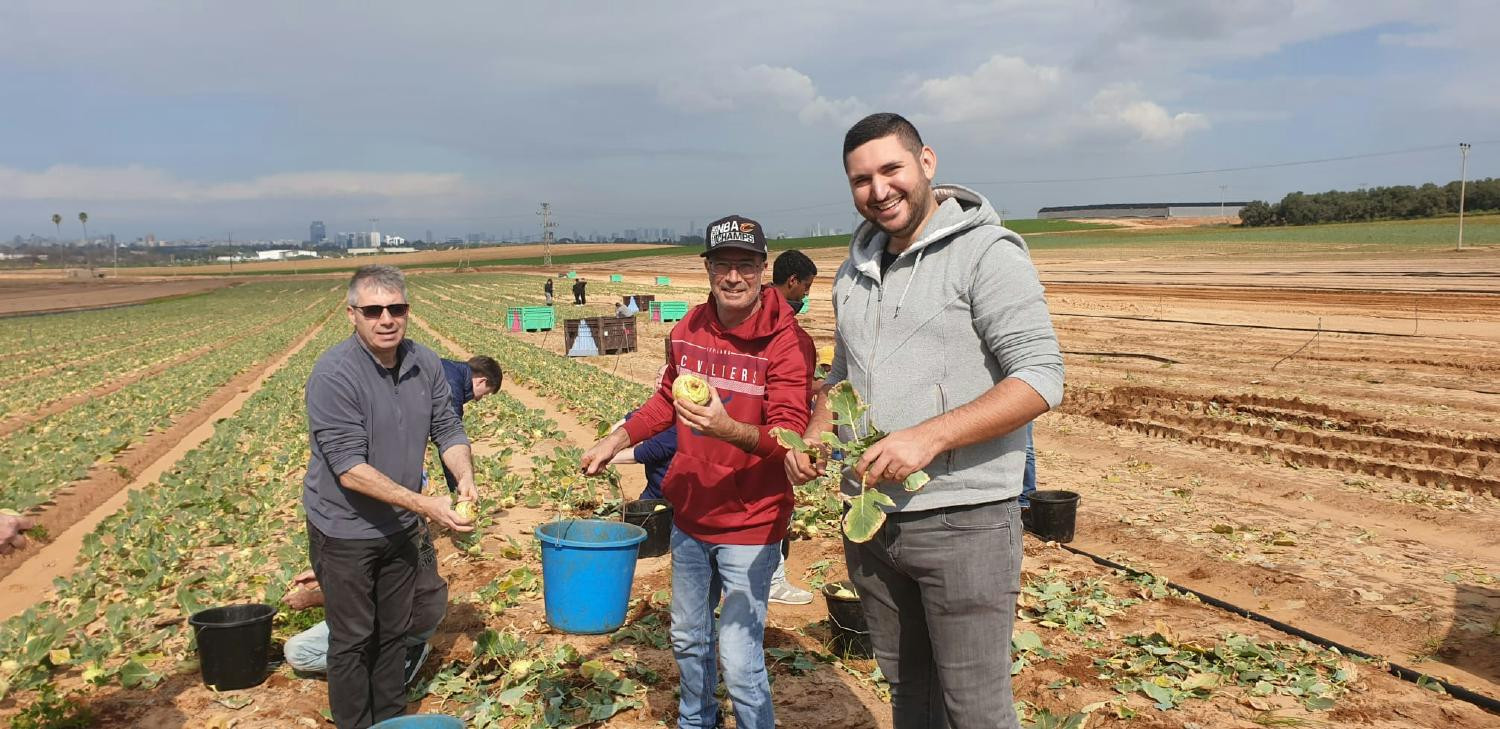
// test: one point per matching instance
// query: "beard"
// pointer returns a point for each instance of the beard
(920, 204)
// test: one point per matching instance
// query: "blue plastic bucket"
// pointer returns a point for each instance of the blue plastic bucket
(421, 721)
(587, 568)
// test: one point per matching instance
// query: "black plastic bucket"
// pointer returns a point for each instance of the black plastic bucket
(1053, 514)
(851, 634)
(657, 523)
(234, 643)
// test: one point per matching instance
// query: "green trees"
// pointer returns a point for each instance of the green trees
(1347, 206)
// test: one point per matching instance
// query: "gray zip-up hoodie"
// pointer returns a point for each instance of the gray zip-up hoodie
(957, 312)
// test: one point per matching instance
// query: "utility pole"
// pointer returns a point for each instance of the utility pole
(1003, 213)
(1463, 179)
(547, 225)
(1223, 190)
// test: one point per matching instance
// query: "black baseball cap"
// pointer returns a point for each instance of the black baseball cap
(734, 231)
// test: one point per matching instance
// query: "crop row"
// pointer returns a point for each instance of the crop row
(224, 525)
(61, 448)
(584, 389)
(33, 343)
(69, 377)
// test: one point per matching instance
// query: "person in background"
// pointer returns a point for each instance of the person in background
(793, 275)
(654, 453)
(13, 528)
(469, 382)
(731, 501)
(307, 652)
(547, 290)
(623, 310)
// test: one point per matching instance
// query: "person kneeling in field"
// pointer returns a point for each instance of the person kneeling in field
(729, 493)
(307, 652)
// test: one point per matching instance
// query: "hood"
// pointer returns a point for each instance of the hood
(959, 210)
(773, 316)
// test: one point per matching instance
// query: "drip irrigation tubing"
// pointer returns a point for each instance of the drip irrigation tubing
(1488, 703)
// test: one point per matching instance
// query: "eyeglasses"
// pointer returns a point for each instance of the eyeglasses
(745, 268)
(373, 311)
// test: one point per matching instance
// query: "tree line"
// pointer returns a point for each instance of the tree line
(1346, 206)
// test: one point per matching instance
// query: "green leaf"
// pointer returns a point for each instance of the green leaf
(790, 440)
(916, 480)
(865, 516)
(1024, 642)
(1318, 703)
(135, 674)
(1164, 697)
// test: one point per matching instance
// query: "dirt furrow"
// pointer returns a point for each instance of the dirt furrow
(78, 507)
(17, 422)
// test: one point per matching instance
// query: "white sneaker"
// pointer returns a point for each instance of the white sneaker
(788, 594)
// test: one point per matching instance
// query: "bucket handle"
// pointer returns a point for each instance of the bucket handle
(841, 626)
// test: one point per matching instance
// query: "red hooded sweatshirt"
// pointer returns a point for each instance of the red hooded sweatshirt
(763, 372)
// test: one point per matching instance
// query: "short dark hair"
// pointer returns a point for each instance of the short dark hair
(488, 368)
(878, 126)
(792, 263)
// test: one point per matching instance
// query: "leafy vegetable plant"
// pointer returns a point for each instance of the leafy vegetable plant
(864, 516)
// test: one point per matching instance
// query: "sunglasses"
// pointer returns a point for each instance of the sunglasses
(373, 311)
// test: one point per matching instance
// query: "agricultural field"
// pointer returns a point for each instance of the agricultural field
(1312, 434)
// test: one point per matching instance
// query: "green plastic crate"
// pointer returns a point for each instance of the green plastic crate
(530, 318)
(616, 278)
(668, 310)
(572, 274)
(663, 281)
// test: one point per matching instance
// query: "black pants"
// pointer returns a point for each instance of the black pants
(367, 598)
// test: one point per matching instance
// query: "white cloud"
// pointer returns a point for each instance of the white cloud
(1002, 87)
(1121, 107)
(758, 87)
(1039, 103)
(139, 183)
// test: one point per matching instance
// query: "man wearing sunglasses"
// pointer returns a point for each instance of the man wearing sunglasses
(730, 496)
(374, 400)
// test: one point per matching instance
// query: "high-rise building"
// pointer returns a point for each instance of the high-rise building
(429, 239)
(374, 239)
(316, 233)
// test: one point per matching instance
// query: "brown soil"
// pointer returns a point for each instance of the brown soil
(36, 294)
(1339, 481)
(78, 507)
(1343, 406)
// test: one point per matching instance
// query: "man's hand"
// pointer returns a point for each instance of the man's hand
(439, 509)
(13, 532)
(598, 456)
(304, 592)
(467, 491)
(897, 456)
(800, 468)
(710, 420)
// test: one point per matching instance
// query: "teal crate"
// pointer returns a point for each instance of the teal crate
(616, 278)
(663, 281)
(668, 310)
(529, 318)
(571, 274)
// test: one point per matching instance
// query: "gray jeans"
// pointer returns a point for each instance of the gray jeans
(939, 591)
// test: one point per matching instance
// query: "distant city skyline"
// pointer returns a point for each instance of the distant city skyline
(156, 120)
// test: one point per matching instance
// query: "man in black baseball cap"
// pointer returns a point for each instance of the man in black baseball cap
(734, 231)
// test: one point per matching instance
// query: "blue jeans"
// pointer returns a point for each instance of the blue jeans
(1028, 480)
(701, 572)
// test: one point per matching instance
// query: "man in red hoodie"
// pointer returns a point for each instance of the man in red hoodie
(730, 495)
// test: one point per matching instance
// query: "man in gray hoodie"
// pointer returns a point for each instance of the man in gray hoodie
(943, 330)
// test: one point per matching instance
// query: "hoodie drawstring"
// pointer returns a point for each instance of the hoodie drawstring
(920, 252)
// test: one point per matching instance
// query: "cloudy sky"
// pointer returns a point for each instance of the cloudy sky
(196, 119)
